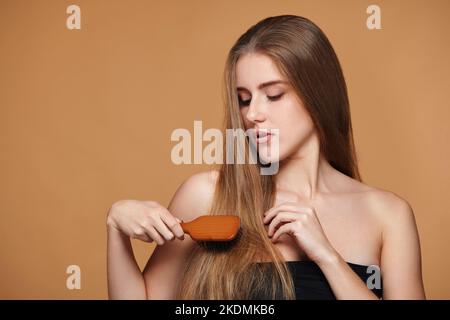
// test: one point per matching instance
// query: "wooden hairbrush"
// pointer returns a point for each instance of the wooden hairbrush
(212, 228)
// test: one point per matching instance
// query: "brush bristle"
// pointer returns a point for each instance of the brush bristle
(221, 245)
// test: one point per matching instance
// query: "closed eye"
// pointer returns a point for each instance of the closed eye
(275, 98)
(245, 103)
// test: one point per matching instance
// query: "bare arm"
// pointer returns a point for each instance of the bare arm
(164, 268)
(143, 220)
(344, 282)
(401, 264)
(400, 260)
(149, 221)
(125, 280)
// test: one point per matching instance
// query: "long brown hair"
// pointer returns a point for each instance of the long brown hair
(306, 58)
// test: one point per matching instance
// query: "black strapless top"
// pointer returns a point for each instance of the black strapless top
(311, 284)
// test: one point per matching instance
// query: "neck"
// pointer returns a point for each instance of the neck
(305, 173)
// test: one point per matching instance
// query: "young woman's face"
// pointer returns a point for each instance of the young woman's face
(267, 101)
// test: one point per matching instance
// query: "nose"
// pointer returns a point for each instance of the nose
(254, 114)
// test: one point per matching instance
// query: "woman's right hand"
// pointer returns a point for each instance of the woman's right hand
(144, 220)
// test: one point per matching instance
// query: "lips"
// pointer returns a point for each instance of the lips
(263, 135)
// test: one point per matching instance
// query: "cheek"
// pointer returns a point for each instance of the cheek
(295, 126)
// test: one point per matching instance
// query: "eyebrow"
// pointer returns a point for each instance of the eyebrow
(265, 84)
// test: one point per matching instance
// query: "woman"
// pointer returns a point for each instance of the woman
(312, 230)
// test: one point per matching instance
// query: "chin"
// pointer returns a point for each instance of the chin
(266, 157)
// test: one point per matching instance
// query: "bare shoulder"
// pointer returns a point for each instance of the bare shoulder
(400, 247)
(389, 208)
(389, 205)
(194, 195)
(386, 206)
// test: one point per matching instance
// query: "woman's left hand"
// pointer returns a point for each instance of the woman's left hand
(301, 223)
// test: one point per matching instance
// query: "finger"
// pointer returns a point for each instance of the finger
(162, 229)
(274, 208)
(143, 237)
(282, 217)
(285, 228)
(140, 234)
(285, 207)
(173, 224)
(282, 206)
(154, 234)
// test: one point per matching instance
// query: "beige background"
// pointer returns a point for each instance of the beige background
(86, 117)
